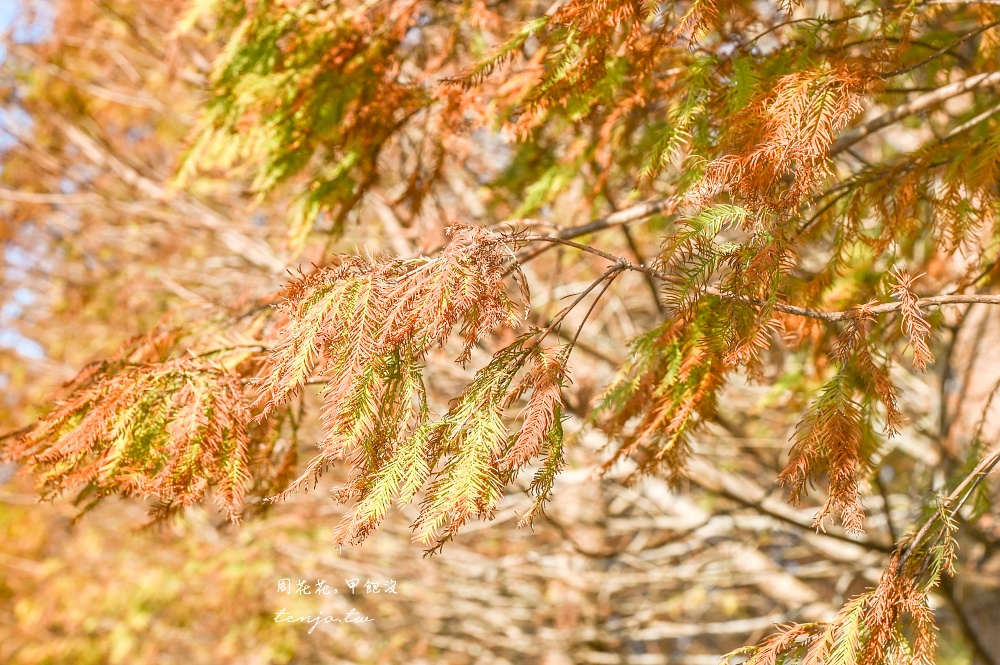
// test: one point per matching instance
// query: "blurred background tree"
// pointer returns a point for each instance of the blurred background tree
(787, 210)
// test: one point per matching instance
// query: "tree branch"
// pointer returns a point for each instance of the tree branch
(945, 92)
(956, 500)
(937, 54)
(881, 308)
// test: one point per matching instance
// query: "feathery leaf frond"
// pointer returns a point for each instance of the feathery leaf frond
(169, 430)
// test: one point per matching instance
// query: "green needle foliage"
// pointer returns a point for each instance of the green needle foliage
(168, 430)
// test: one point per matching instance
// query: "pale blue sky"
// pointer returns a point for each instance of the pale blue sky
(10, 11)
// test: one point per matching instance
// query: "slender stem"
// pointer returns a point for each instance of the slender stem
(937, 54)
(607, 284)
(944, 93)
(634, 247)
(613, 270)
(970, 483)
(650, 281)
(622, 263)
(621, 217)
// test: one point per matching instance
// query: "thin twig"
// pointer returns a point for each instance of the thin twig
(970, 482)
(611, 278)
(937, 54)
(944, 93)
(613, 270)
(842, 315)
(634, 247)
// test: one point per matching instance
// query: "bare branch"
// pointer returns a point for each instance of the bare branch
(882, 308)
(945, 92)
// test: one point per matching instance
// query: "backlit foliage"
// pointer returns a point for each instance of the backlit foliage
(368, 326)
(808, 190)
(169, 430)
